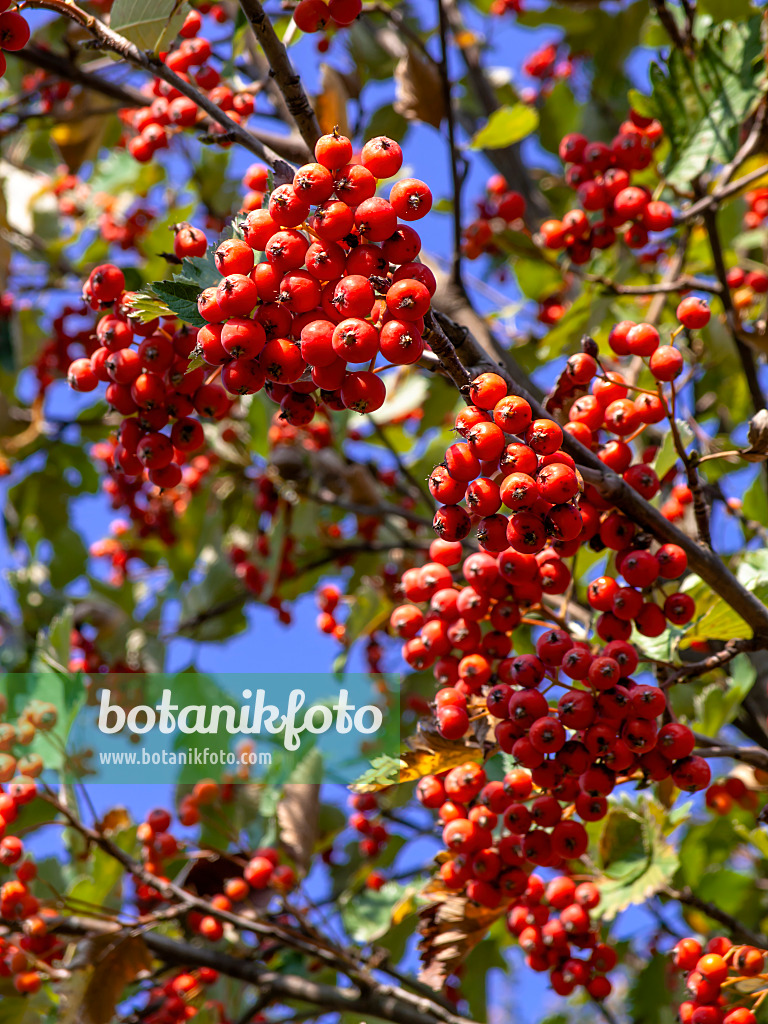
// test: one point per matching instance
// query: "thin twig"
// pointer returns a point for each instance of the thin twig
(457, 176)
(284, 73)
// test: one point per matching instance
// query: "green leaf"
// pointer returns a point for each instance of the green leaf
(119, 172)
(755, 501)
(147, 23)
(667, 455)
(702, 102)
(181, 298)
(148, 307)
(636, 858)
(506, 126)
(648, 997)
(716, 706)
(216, 590)
(368, 915)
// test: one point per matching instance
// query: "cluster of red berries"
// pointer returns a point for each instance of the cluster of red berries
(181, 997)
(14, 32)
(316, 310)
(316, 15)
(757, 203)
(748, 286)
(262, 872)
(363, 820)
(723, 794)
(50, 91)
(256, 180)
(550, 921)
(16, 737)
(152, 506)
(22, 953)
(169, 111)
(708, 973)
(500, 207)
(547, 67)
(601, 176)
(608, 406)
(86, 656)
(499, 7)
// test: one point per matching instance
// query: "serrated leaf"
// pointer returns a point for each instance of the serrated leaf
(181, 298)
(147, 23)
(703, 101)
(635, 856)
(148, 307)
(506, 126)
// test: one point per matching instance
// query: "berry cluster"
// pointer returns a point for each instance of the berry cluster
(723, 794)
(179, 998)
(601, 176)
(14, 32)
(709, 973)
(547, 67)
(757, 208)
(16, 736)
(316, 15)
(495, 212)
(262, 872)
(169, 111)
(316, 306)
(24, 953)
(550, 921)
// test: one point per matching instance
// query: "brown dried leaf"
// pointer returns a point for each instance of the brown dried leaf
(418, 89)
(79, 137)
(450, 926)
(331, 104)
(109, 963)
(757, 437)
(115, 820)
(428, 753)
(297, 819)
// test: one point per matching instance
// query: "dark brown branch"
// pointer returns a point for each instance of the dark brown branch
(719, 193)
(70, 72)
(755, 756)
(457, 176)
(714, 661)
(112, 41)
(387, 1002)
(679, 284)
(284, 73)
(670, 25)
(446, 353)
(734, 926)
(508, 160)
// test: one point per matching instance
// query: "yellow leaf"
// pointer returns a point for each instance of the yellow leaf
(331, 104)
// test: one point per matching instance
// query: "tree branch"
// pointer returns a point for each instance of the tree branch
(734, 926)
(387, 1002)
(507, 160)
(284, 74)
(109, 40)
(457, 176)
